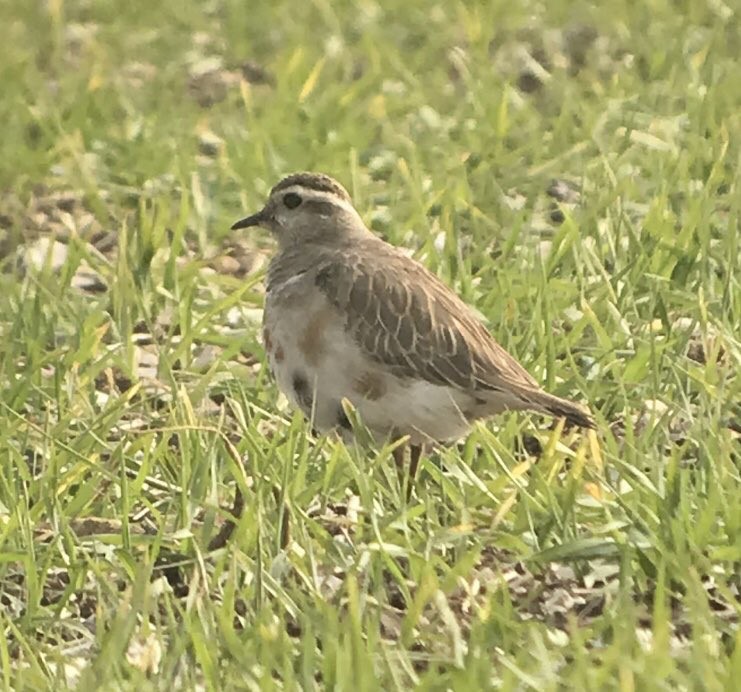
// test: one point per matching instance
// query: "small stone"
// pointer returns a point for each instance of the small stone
(42, 251)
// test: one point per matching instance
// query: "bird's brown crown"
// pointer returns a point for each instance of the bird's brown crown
(312, 181)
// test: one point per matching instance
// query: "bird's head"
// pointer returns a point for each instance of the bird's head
(309, 208)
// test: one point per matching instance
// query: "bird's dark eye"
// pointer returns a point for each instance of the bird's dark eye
(291, 200)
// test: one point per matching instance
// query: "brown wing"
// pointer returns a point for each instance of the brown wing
(404, 317)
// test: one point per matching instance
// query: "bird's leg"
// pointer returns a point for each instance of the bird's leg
(399, 456)
(415, 452)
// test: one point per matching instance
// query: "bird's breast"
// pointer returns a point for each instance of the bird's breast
(316, 364)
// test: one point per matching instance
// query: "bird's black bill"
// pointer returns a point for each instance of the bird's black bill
(247, 221)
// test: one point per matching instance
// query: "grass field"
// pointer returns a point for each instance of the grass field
(572, 170)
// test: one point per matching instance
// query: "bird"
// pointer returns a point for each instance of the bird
(350, 317)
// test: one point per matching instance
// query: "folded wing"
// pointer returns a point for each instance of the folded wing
(405, 318)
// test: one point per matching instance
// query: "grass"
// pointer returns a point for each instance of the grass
(132, 373)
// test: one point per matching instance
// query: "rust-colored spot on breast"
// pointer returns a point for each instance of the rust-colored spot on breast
(370, 385)
(266, 339)
(279, 354)
(311, 343)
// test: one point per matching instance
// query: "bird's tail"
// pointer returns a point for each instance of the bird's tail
(560, 408)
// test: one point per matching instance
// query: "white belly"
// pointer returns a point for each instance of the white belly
(317, 365)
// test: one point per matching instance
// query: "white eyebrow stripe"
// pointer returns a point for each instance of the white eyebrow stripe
(321, 195)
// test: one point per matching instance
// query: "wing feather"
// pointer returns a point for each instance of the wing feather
(405, 318)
